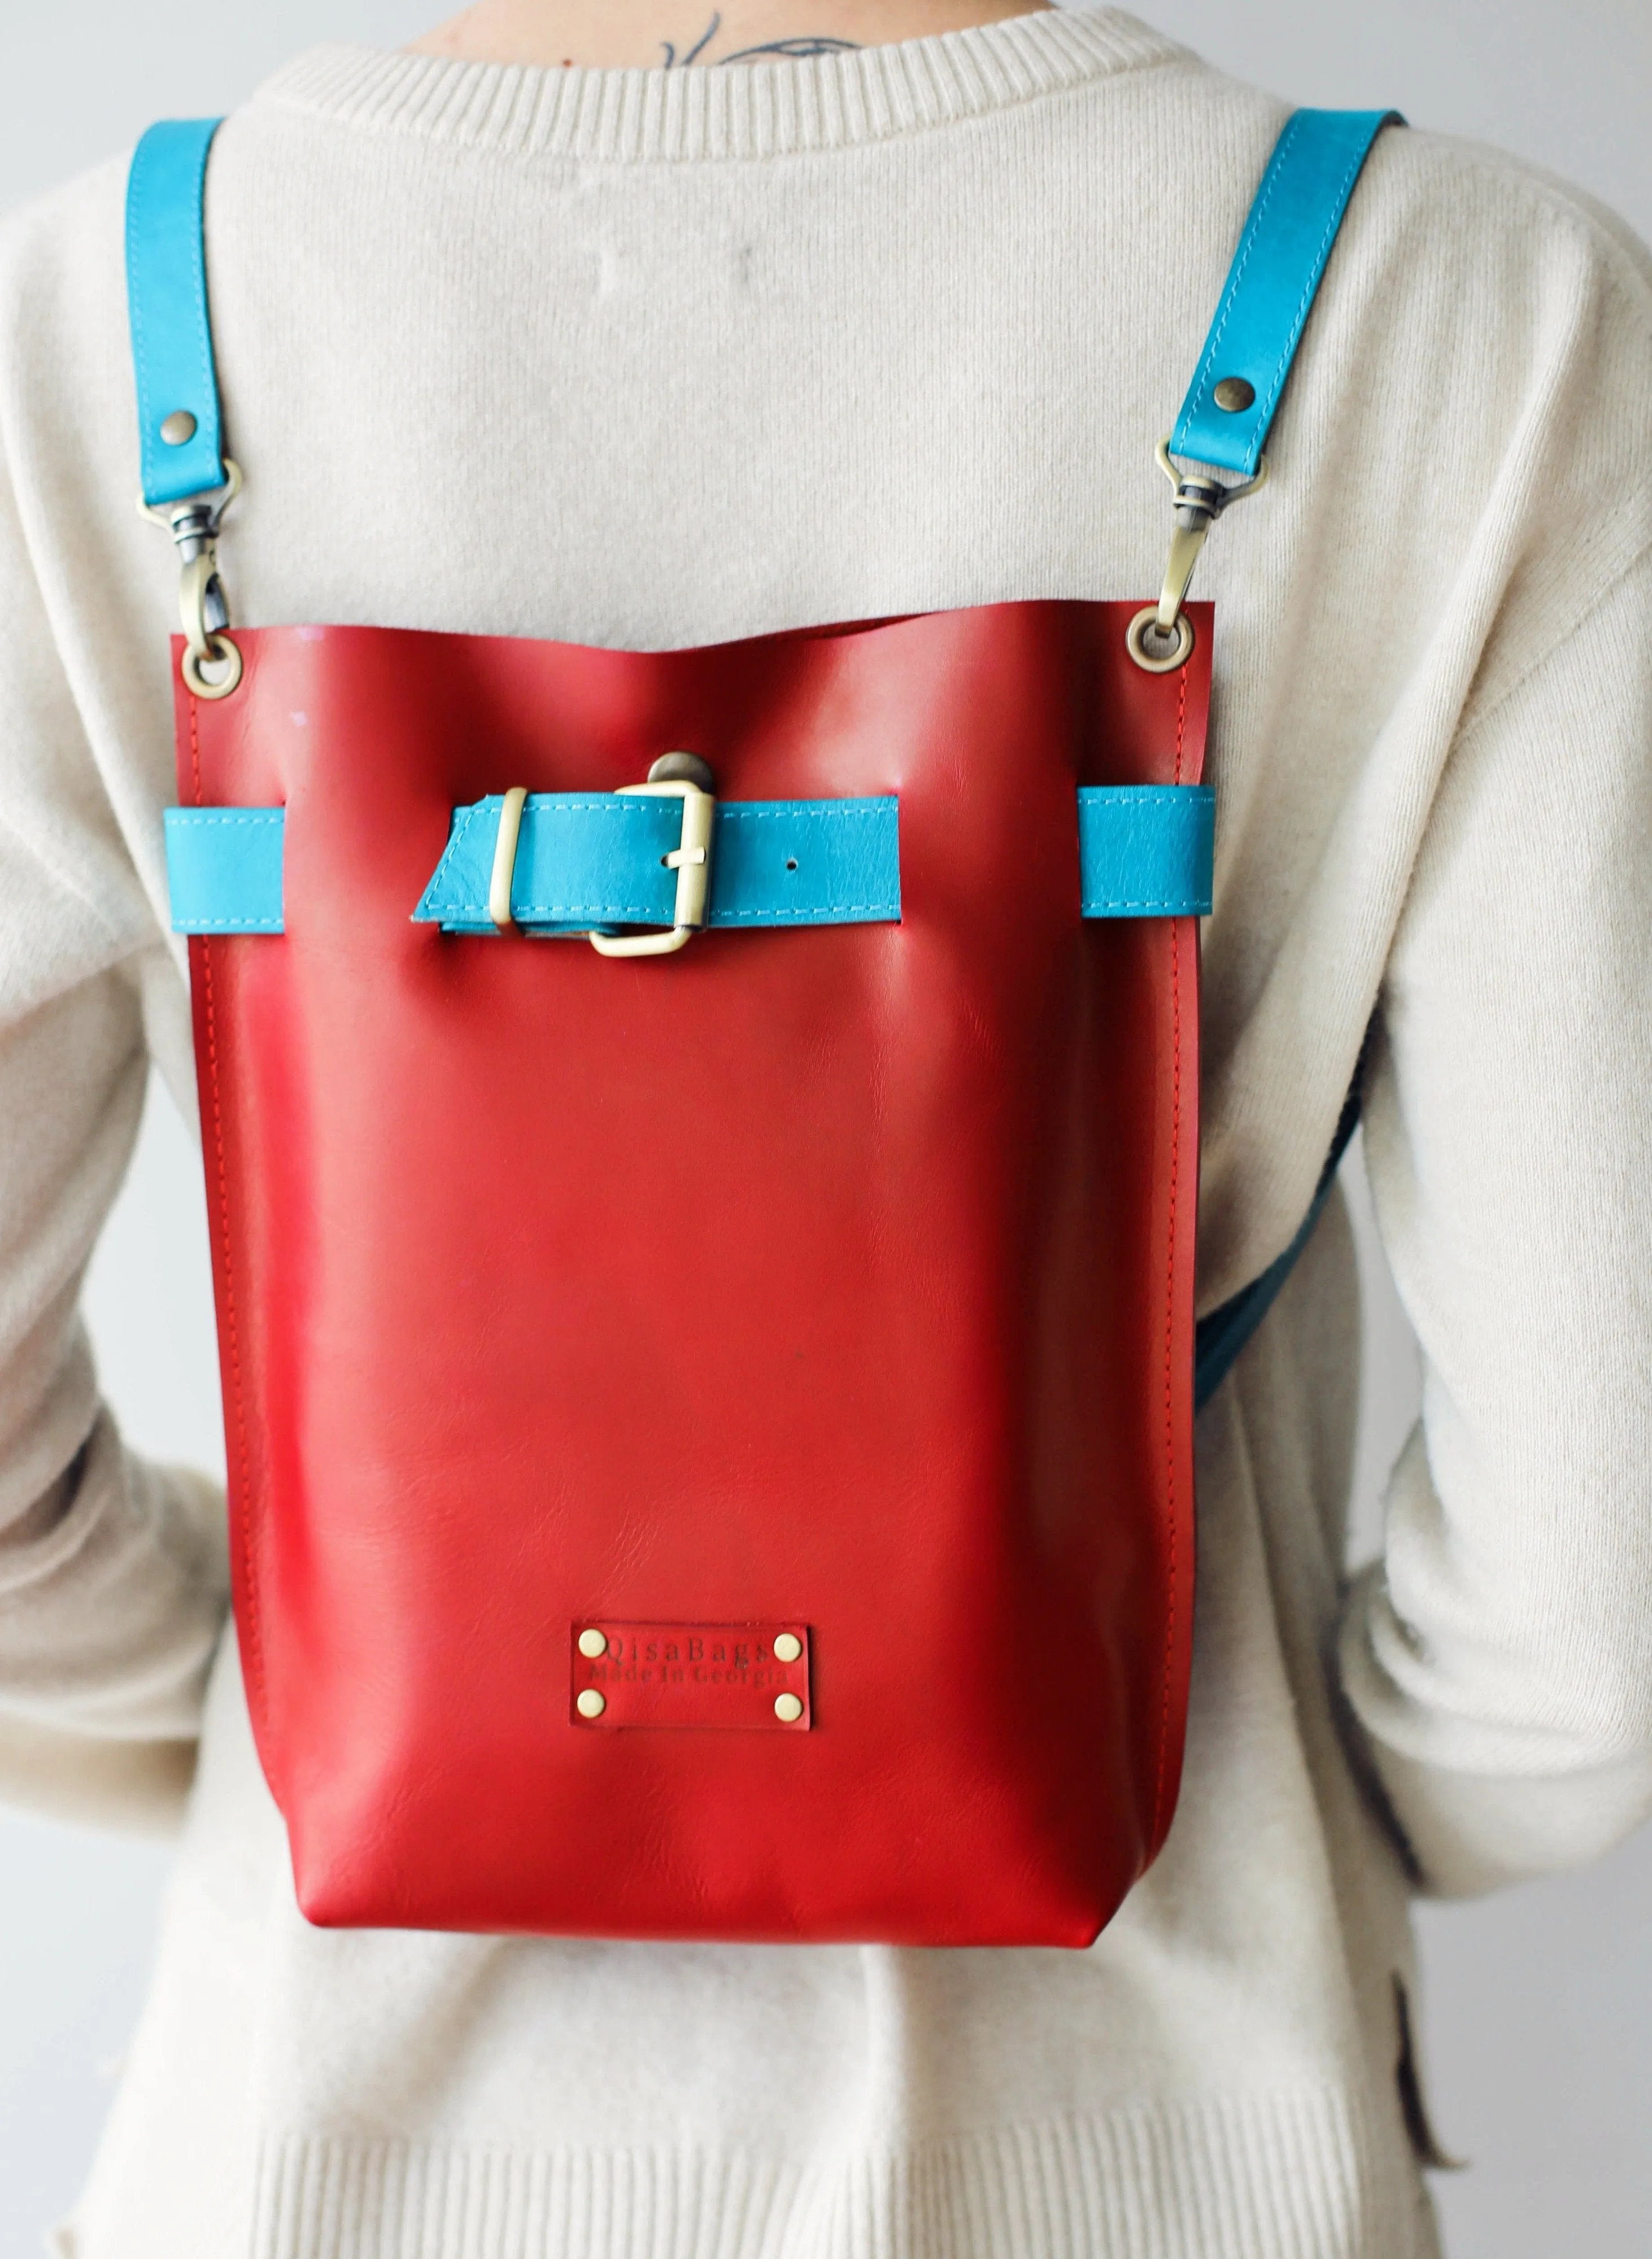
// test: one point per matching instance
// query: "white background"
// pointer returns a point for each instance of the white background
(1538, 2005)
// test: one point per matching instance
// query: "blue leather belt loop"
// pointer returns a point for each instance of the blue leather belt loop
(167, 304)
(594, 858)
(224, 868)
(1146, 849)
(1271, 286)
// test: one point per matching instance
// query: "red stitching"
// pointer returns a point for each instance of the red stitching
(1181, 721)
(195, 755)
(255, 1657)
(1170, 1300)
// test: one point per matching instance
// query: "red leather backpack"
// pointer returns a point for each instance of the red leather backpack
(702, 1161)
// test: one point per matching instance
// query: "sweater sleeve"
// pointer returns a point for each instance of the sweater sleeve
(1498, 1655)
(112, 1574)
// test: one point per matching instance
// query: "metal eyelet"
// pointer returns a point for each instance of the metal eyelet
(219, 650)
(1156, 650)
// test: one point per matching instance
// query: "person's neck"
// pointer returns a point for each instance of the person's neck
(673, 34)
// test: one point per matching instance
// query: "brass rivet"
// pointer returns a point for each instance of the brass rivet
(683, 768)
(179, 428)
(592, 1642)
(1233, 394)
(787, 1709)
(590, 1703)
(787, 1647)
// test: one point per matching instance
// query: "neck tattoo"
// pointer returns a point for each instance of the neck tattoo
(795, 49)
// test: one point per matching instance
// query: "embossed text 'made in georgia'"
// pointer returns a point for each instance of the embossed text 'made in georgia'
(690, 1674)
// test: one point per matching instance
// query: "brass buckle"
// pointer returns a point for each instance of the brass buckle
(690, 859)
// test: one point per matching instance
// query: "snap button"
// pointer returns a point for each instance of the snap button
(787, 1709)
(179, 428)
(593, 1643)
(590, 1704)
(1233, 394)
(787, 1647)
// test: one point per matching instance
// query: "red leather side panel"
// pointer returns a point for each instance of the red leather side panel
(840, 1278)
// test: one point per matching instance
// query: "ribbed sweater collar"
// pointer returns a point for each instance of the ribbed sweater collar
(751, 110)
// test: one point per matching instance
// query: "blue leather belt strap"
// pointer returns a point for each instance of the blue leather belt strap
(167, 304)
(587, 859)
(1272, 285)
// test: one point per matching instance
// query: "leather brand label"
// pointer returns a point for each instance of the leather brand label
(692, 1674)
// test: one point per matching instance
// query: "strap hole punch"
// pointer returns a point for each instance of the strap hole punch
(790, 862)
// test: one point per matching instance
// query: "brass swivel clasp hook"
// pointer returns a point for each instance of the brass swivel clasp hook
(203, 606)
(1160, 637)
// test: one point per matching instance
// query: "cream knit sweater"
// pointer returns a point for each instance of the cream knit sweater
(641, 361)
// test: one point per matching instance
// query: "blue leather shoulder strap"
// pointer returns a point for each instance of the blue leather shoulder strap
(1258, 325)
(167, 304)
(1269, 292)
(1221, 1334)
(1271, 286)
